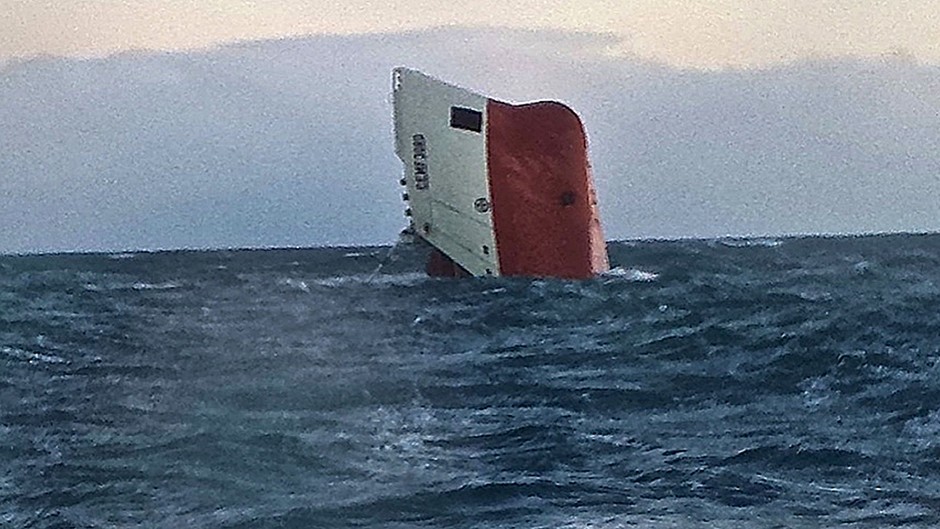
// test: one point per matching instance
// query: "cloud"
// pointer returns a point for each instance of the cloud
(289, 142)
(698, 33)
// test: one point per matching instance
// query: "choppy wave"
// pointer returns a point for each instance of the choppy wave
(631, 274)
(751, 243)
(794, 383)
(31, 357)
(405, 279)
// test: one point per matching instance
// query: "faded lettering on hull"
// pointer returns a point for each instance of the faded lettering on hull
(420, 146)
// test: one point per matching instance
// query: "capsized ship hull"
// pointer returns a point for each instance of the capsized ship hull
(496, 189)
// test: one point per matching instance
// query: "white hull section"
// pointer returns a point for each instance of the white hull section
(440, 135)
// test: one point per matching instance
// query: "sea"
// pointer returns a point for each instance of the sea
(775, 382)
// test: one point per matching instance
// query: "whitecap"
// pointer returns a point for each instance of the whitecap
(297, 284)
(632, 274)
(31, 357)
(862, 267)
(167, 285)
(750, 243)
(406, 279)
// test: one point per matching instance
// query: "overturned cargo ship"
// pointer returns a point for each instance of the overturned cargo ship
(496, 189)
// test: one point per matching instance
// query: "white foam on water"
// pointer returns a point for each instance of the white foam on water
(631, 274)
(297, 284)
(31, 357)
(750, 243)
(407, 279)
(166, 285)
(139, 285)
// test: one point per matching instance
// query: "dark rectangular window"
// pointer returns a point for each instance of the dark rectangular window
(466, 119)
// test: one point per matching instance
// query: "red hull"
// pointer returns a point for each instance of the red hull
(544, 206)
(439, 265)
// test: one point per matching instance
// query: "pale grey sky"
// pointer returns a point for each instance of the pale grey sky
(685, 33)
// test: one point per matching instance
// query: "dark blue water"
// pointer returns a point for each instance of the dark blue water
(762, 383)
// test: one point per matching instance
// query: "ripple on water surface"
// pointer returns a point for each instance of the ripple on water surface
(760, 383)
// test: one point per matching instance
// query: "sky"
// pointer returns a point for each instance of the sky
(170, 124)
(684, 33)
